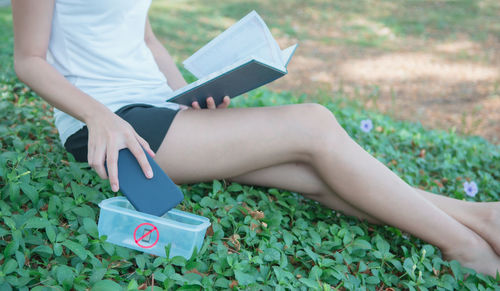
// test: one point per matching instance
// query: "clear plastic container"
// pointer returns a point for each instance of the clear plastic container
(127, 227)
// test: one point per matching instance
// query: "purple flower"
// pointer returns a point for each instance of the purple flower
(470, 188)
(366, 125)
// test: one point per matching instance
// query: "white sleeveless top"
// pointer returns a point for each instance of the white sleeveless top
(98, 45)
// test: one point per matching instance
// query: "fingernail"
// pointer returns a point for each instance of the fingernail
(114, 187)
(149, 174)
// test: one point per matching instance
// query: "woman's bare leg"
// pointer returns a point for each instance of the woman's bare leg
(301, 178)
(482, 218)
(205, 145)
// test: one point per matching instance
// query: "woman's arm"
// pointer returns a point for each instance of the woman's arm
(108, 133)
(32, 23)
(163, 59)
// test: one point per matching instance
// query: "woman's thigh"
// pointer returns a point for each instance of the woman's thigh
(202, 145)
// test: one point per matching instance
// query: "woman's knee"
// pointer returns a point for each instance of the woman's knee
(321, 121)
(320, 127)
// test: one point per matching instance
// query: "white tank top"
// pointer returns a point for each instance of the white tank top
(98, 45)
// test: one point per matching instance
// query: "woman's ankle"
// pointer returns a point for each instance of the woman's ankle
(488, 225)
(465, 249)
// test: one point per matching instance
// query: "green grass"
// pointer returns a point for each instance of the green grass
(48, 208)
(6, 44)
(48, 214)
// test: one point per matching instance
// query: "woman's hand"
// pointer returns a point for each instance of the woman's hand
(108, 133)
(211, 103)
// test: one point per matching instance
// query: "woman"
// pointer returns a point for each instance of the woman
(100, 65)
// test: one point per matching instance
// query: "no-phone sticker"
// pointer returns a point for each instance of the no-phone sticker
(145, 231)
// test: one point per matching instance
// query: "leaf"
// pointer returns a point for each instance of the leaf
(54, 205)
(457, 270)
(97, 274)
(30, 191)
(315, 273)
(288, 238)
(178, 261)
(382, 245)
(51, 233)
(222, 282)
(244, 278)
(167, 250)
(310, 283)
(9, 222)
(3, 232)
(282, 275)
(192, 278)
(77, 189)
(271, 254)
(11, 248)
(409, 267)
(43, 250)
(312, 254)
(65, 276)
(132, 285)
(159, 276)
(177, 278)
(316, 238)
(372, 280)
(189, 288)
(362, 244)
(106, 285)
(90, 227)
(208, 202)
(123, 252)
(57, 249)
(13, 191)
(397, 265)
(84, 211)
(274, 219)
(20, 259)
(235, 187)
(216, 187)
(37, 222)
(109, 248)
(141, 261)
(429, 250)
(76, 248)
(9, 267)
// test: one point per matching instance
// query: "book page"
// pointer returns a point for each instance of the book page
(249, 37)
(288, 53)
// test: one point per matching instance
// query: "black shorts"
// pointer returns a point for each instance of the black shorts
(150, 122)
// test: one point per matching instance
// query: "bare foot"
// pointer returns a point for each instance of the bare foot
(478, 256)
(487, 224)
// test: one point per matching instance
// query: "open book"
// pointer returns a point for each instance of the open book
(242, 58)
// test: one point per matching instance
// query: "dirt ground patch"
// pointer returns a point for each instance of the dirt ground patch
(442, 85)
(435, 62)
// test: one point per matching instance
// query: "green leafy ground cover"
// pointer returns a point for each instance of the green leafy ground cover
(261, 239)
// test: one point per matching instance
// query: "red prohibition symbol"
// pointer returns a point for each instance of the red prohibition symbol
(137, 240)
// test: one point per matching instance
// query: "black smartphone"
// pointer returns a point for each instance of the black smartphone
(154, 196)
